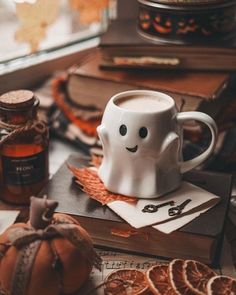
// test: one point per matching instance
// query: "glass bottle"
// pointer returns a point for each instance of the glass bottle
(23, 147)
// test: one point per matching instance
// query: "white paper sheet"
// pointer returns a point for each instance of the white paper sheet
(132, 213)
(172, 225)
(7, 218)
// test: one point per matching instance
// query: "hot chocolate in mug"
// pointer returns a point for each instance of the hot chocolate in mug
(141, 135)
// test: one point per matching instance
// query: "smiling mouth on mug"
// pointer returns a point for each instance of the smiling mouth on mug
(133, 149)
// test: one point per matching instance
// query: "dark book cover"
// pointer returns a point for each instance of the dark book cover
(88, 85)
(207, 228)
(123, 40)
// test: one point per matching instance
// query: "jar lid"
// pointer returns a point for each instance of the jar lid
(190, 2)
(17, 99)
(182, 5)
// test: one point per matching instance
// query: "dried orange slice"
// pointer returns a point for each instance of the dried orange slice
(196, 276)
(221, 285)
(158, 280)
(176, 277)
(126, 282)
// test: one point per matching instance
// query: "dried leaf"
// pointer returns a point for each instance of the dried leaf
(85, 4)
(90, 11)
(96, 160)
(34, 19)
(93, 186)
(123, 233)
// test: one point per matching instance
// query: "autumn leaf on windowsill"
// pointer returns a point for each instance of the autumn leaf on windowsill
(89, 11)
(34, 18)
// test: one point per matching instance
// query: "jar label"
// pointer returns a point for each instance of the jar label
(24, 170)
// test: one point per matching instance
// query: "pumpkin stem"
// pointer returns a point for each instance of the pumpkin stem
(41, 212)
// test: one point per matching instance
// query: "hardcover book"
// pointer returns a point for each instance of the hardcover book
(123, 47)
(200, 239)
(88, 85)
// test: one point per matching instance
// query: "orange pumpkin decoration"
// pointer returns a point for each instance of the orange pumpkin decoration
(51, 254)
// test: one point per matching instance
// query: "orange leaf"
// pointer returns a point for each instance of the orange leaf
(94, 187)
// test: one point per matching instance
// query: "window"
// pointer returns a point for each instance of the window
(32, 28)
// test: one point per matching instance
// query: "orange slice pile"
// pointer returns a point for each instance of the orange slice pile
(126, 281)
(188, 277)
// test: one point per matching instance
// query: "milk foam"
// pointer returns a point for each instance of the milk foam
(144, 103)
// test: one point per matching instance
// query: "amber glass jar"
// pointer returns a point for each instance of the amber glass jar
(23, 147)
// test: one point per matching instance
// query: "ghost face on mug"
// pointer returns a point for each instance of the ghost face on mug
(135, 136)
(132, 132)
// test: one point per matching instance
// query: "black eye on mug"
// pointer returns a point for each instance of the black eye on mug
(123, 130)
(143, 132)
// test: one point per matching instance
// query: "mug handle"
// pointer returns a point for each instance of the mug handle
(204, 118)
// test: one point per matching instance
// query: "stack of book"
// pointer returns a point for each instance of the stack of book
(200, 239)
(94, 79)
(88, 87)
(123, 47)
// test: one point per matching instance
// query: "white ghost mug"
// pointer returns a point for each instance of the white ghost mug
(141, 136)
